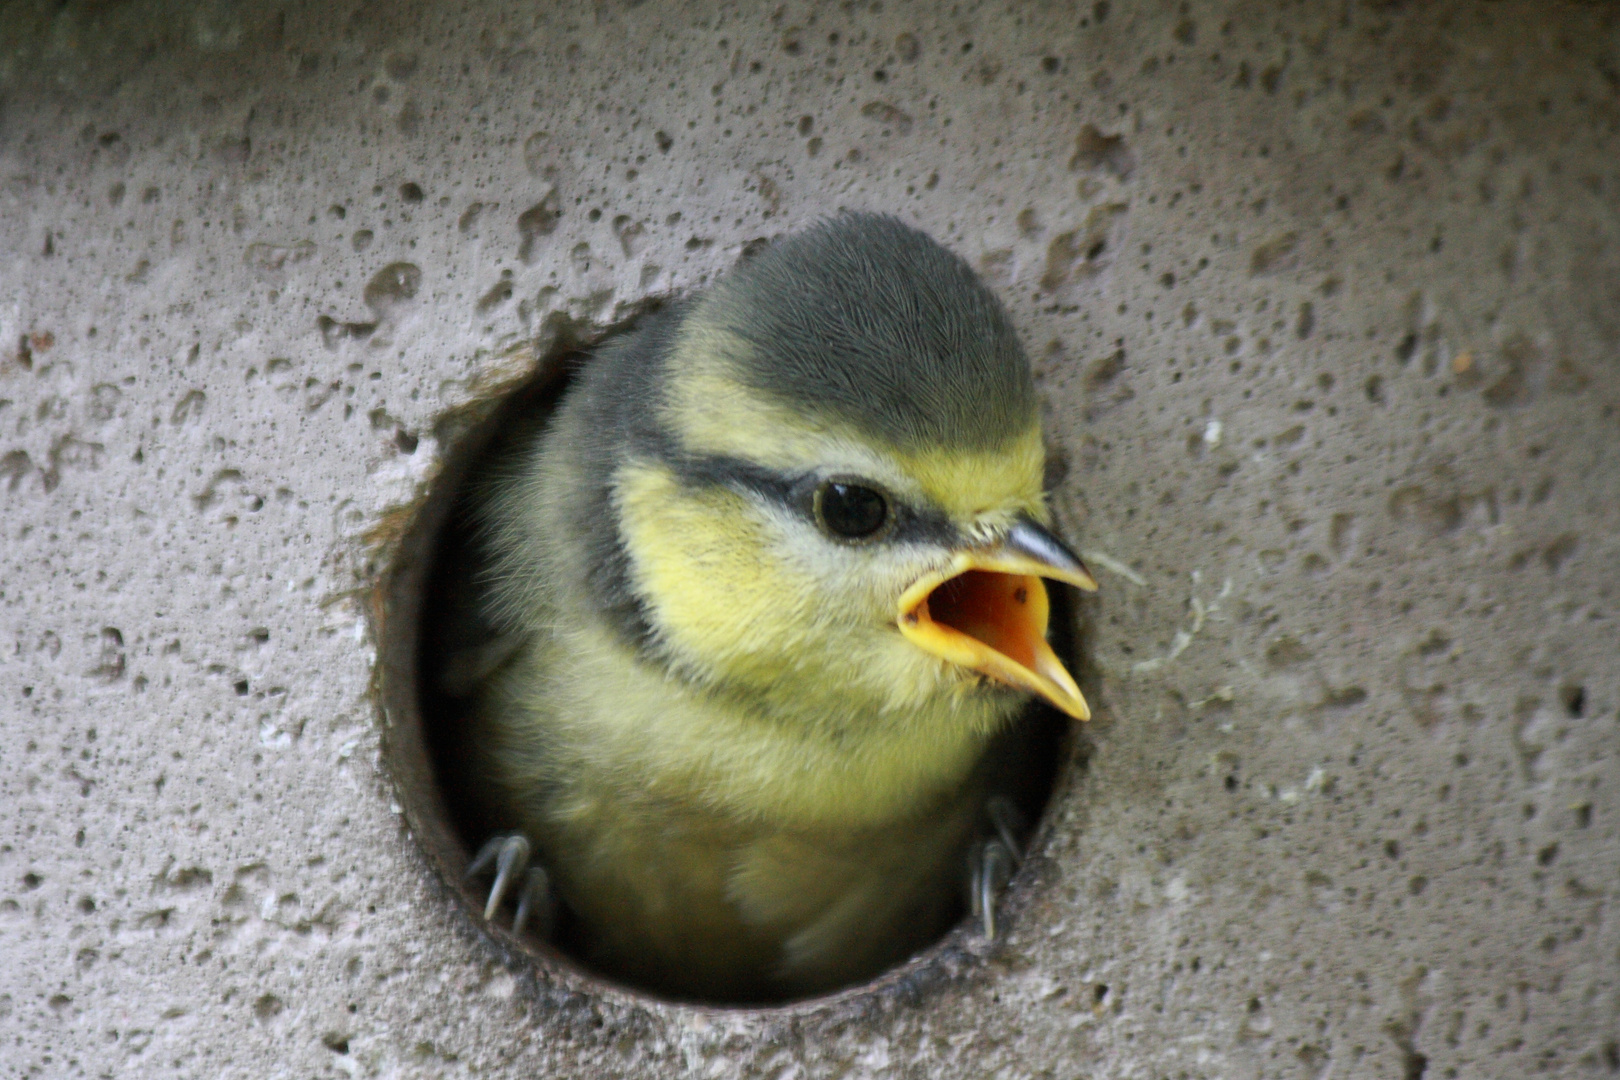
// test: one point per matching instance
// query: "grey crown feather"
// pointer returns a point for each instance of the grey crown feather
(872, 320)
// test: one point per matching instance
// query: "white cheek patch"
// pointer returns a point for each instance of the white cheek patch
(846, 577)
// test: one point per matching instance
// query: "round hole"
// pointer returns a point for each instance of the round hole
(426, 626)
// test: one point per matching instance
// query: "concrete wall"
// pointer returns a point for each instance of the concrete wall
(1326, 304)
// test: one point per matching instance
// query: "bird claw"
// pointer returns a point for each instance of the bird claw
(510, 854)
(991, 865)
(991, 862)
(1009, 822)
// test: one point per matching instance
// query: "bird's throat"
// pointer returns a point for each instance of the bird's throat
(983, 615)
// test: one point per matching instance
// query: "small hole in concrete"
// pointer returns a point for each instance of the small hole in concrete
(439, 648)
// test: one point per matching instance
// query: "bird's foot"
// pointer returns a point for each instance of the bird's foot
(991, 862)
(510, 854)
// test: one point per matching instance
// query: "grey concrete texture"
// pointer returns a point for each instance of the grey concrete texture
(1324, 301)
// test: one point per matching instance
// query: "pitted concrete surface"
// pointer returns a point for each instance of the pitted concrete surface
(1326, 305)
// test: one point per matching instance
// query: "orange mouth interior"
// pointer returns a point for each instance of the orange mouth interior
(985, 606)
(992, 622)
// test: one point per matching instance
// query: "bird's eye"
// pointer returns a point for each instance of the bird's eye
(850, 511)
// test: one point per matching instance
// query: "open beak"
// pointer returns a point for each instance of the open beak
(988, 611)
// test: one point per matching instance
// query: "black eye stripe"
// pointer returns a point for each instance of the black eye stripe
(907, 523)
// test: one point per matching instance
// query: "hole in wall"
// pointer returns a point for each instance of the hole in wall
(433, 638)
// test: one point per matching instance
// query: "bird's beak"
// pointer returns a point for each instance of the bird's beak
(987, 611)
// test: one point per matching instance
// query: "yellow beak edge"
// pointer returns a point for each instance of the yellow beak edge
(988, 612)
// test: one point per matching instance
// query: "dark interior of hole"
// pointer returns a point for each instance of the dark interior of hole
(1026, 759)
(452, 620)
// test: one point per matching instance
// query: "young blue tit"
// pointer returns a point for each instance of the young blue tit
(769, 583)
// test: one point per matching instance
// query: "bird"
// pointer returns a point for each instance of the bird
(764, 591)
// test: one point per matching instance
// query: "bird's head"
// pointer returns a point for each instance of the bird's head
(841, 500)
